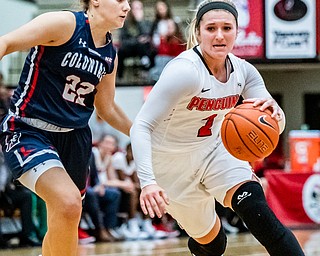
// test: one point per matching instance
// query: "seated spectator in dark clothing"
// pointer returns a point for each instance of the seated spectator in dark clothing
(109, 179)
(135, 40)
(102, 205)
(18, 197)
(102, 211)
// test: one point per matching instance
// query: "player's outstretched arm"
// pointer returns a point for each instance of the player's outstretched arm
(50, 29)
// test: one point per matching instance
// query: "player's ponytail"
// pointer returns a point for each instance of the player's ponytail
(192, 38)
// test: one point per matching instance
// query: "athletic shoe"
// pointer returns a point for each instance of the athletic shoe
(84, 238)
(124, 232)
(134, 234)
(229, 228)
(116, 234)
(151, 230)
(133, 226)
(171, 233)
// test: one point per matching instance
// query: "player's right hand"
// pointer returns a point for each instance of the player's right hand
(153, 200)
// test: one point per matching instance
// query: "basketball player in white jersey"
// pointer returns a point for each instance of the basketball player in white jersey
(181, 162)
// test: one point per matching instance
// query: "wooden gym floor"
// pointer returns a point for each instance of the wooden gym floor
(238, 245)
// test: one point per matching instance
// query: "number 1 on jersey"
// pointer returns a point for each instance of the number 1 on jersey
(205, 130)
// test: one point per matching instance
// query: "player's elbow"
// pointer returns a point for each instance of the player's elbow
(106, 113)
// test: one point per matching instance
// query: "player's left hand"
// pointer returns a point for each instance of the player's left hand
(267, 103)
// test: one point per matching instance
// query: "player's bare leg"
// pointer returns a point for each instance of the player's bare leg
(64, 207)
(212, 234)
(214, 243)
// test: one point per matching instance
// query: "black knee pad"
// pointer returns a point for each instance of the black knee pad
(250, 204)
(215, 248)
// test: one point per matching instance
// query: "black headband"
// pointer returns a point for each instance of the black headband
(216, 6)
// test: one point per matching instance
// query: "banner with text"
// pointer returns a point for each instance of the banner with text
(290, 29)
(250, 42)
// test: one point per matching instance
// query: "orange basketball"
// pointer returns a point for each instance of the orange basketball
(248, 133)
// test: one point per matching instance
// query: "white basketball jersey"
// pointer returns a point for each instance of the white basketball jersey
(185, 109)
(197, 117)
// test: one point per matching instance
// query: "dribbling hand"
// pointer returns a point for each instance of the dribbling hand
(267, 103)
(153, 200)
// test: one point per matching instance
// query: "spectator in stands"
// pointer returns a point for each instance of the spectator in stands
(135, 40)
(13, 197)
(109, 179)
(163, 13)
(102, 205)
(171, 45)
(124, 165)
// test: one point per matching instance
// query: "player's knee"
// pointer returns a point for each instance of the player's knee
(70, 207)
(250, 204)
(215, 248)
(248, 195)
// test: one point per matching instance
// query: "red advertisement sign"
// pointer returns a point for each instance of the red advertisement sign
(294, 197)
(250, 41)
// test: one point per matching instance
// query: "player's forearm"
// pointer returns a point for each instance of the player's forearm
(117, 119)
(141, 145)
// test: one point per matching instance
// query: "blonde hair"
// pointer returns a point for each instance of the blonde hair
(193, 27)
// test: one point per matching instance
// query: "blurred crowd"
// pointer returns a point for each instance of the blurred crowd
(150, 44)
(111, 210)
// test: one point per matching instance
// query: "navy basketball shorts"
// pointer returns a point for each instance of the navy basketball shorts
(26, 148)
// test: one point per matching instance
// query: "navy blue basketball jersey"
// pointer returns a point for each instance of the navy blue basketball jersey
(57, 84)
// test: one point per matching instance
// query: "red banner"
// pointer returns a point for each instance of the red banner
(250, 40)
(294, 197)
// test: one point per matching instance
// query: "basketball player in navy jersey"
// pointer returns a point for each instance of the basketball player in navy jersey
(182, 164)
(45, 137)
